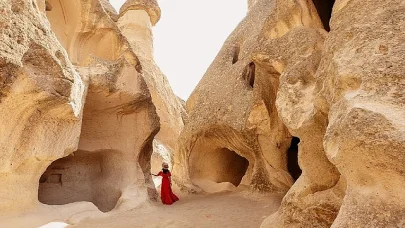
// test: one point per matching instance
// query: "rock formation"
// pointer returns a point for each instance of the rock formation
(85, 111)
(81, 100)
(41, 102)
(136, 19)
(324, 72)
(343, 98)
(362, 89)
(233, 121)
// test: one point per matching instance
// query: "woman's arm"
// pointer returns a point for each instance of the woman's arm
(157, 175)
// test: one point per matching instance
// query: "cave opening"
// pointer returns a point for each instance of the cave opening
(82, 176)
(235, 56)
(292, 159)
(219, 165)
(249, 74)
(324, 9)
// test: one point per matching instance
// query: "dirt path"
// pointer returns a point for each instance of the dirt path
(242, 209)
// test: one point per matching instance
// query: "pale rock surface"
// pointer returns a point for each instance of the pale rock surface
(234, 133)
(362, 87)
(340, 92)
(81, 99)
(292, 48)
(135, 21)
(346, 105)
(75, 132)
(111, 166)
(41, 103)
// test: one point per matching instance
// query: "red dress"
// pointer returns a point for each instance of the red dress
(166, 193)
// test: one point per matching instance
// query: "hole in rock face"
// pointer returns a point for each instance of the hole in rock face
(292, 156)
(235, 57)
(48, 6)
(249, 74)
(324, 8)
(219, 165)
(84, 176)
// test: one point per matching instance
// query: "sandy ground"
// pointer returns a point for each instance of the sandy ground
(236, 209)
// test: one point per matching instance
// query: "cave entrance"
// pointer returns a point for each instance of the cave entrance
(218, 165)
(84, 176)
(324, 9)
(248, 74)
(292, 159)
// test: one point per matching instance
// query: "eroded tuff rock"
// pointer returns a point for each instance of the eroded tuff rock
(78, 117)
(361, 80)
(342, 98)
(41, 102)
(338, 87)
(233, 121)
(119, 120)
(136, 19)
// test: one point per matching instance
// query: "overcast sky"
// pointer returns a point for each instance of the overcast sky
(189, 35)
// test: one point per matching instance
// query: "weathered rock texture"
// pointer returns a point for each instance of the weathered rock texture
(136, 19)
(361, 80)
(119, 119)
(41, 101)
(233, 121)
(338, 86)
(78, 111)
(341, 107)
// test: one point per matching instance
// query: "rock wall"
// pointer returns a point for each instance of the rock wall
(233, 107)
(79, 108)
(136, 19)
(41, 102)
(328, 73)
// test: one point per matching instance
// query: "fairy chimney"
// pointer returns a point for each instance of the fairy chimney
(136, 20)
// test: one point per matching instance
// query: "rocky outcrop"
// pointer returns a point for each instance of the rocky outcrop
(293, 48)
(119, 119)
(233, 122)
(340, 99)
(41, 103)
(136, 19)
(363, 93)
(78, 114)
(337, 86)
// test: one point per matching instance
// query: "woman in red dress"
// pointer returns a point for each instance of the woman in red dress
(166, 193)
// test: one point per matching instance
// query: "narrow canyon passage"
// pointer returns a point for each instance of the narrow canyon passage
(236, 209)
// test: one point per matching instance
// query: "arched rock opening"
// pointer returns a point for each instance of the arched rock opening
(324, 9)
(292, 159)
(218, 165)
(83, 176)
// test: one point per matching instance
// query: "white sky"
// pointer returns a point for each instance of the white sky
(189, 35)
